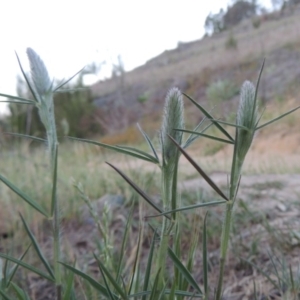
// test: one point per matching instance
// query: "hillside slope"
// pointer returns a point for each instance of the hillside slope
(194, 66)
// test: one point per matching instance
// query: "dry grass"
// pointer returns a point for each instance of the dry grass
(210, 53)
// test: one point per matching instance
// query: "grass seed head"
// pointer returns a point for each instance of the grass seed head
(39, 73)
(247, 116)
(173, 118)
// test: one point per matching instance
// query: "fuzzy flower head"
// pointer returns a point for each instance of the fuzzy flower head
(39, 73)
(173, 118)
(247, 116)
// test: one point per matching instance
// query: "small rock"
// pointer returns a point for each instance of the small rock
(281, 207)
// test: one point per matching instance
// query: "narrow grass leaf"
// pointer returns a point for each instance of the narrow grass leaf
(27, 266)
(110, 278)
(154, 159)
(54, 182)
(27, 80)
(24, 196)
(111, 297)
(60, 85)
(209, 116)
(20, 99)
(189, 207)
(172, 291)
(138, 190)
(162, 292)
(207, 136)
(256, 88)
(148, 141)
(205, 257)
(183, 270)
(69, 286)
(26, 136)
(149, 265)
(5, 296)
(192, 137)
(11, 273)
(117, 149)
(230, 124)
(136, 260)
(154, 291)
(99, 287)
(37, 248)
(201, 172)
(124, 241)
(278, 118)
(20, 293)
(275, 268)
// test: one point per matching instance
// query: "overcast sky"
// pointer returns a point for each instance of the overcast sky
(70, 34)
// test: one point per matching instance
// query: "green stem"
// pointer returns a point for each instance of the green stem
(164, 238)
(235, 176)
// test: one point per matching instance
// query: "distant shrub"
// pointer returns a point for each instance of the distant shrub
(142, 98)
(256, 21)
(221, 90)
(231, 42)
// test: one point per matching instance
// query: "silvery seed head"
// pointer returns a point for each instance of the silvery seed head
(173, 118)
(247, 116)
(39, 73)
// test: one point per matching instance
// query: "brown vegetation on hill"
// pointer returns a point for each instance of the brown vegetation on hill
(194, 66)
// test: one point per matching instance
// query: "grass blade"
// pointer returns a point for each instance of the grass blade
(111, 297)
(27, 80)
(110, 278)
(139, 152)
(26, 266)
(278, 118)
(26, 136)
(209, 116)
(20, 99)
(20, 293)
(69, 286)
(193, 137)
(154, 291)
(149, 265)
(162, 292)
(136, 260)
(138, 190)
(229, 124)
(256, 88)
(37, 248)
(12, 272)
(99, 287)
(124, 241)
(189, 207)
(5, 296)
(148, 141)
(206, 136)
(68, 80)
(205, 258)
(24, 196)
(117, 149)
(197, 167)
(183, 270)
